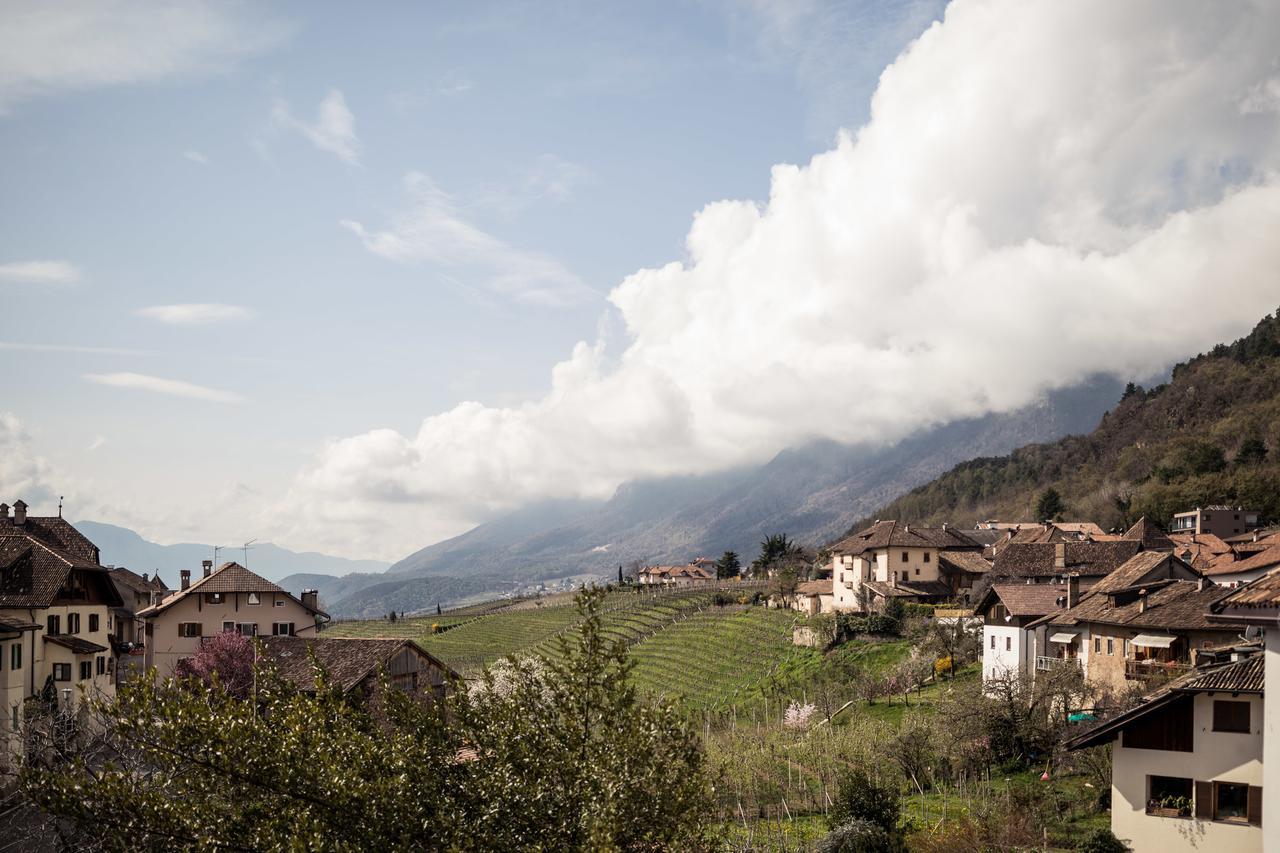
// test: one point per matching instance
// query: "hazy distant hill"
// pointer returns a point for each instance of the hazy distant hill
(812, 493)
(1209, 436)
(122, 547)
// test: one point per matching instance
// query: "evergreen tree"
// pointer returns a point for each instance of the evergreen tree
(1049, 507)
(728, 566)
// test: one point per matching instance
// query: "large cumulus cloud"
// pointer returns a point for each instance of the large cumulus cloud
(1043, 191)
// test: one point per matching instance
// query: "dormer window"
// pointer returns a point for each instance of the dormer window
(215, 597)
(255, 598)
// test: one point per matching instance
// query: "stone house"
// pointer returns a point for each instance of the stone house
(893, 560)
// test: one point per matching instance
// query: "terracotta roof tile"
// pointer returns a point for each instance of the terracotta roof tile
(891, 534)
(346, 661)
(1263, 592)
(1083, 558)
(1176, 605)
(1030, 599)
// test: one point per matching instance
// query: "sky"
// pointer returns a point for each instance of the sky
(355, 281)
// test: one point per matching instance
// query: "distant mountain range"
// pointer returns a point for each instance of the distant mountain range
(122, 547)
(812, 493)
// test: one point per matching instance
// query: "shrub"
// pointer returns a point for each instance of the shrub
(724, 599)
(861, 798)
(435, 628)
(858, 836)
(942, 666)
(915, 609)
(1103, 840)
(879, 624)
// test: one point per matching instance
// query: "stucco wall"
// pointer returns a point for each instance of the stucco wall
(1218, 756)
(1271, 743)
(165, 648)
(1001, 662)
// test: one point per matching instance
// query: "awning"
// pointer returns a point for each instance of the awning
(1153, 641)
(1062, 637)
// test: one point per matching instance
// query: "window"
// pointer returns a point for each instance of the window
(1111, 645)
(993, 641)
(248, 629)
(904, 556)
(102, 665)
(15, 656)
(62, 672)
(86, 669)
(1169, 796)
(1230, 801)
(214, 598)
(228, 627)
(111, 665)
(926, 556)
(1008, 644)
(1126, 648)
(280, 601)
(917, 570)
(1230, 716)
(255, 598)
(1097, 645)
(190, 629)
(93, 623)
(282, 629)
(54, 625)
(73, 623)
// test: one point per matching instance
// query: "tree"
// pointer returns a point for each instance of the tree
(860, 797)
(560, 754)
(224, 661)
(728, 566)
(773, 550)
(438, 611)
(1204, 458)
(391, 617)
(1253, 451)
(1049, 506)
(785, 581)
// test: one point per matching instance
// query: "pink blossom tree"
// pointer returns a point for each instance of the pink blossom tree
(225, 660)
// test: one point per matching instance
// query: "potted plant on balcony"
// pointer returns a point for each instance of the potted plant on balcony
(1171, 806)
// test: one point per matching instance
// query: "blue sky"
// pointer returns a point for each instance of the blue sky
(353, 282)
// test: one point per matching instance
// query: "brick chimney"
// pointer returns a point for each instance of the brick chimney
(144, 577)
(4, 510)
(1073, 590)
(311, 598)
(1202, 584)
(19, 511)
(1142, 601)
(1060, 555)
(207, 565)
(185, 574)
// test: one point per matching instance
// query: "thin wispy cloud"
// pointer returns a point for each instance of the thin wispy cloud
(40, 272)
(334, 129)
(159, 385)
(48, 48)
(195, 157)
(98, 442)
(432, 231)
(195, 313)
(15, 346)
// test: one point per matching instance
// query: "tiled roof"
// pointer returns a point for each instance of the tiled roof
(1151, 536)
(1262, 560)
(34, 567)
(133, 581)
(891, 534)
(1176, 605)
(1145, 566)
(346, 661)
(78, 645)
(56, 532)
(910, 589)
(1199, 549)
(1246, 676)
(16, 626)
(1029, 599)
(227, 578)
(1082, 558)
(815, 588)
(1263, 592)
(964, 561)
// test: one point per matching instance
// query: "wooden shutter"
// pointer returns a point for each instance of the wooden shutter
(1204, 800)
(1255, 805)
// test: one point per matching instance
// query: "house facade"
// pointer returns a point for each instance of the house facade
(1187, 764)
(1008, 612)
(889, 559)
(1221, 521)
(228, 599)
(696, 573)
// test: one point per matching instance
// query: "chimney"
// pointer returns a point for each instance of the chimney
(944, 526)
(144, 577)
(19, 512)
(185, 574)
(311, 599)
(4, 510)
(1060, 555)
(906, 528)
(1202, 584)
(1073, 590)
(207, 565)
(1142, 601)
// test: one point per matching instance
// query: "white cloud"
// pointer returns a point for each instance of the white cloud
(1043, 191)
(47, 48)
(195, 157)
(195, 313)
(39, 272)
(174, 387)
(97, 443)
(334, 129)
(23, 473)
(14, 346)
(433, 231)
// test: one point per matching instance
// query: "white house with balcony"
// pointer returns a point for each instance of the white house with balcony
(1009, 642)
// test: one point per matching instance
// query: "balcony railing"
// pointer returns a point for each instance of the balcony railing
(1139, 670)
(1044, 663)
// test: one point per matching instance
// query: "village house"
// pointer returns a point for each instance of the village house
(1200, 549)
(1148, 620)
(893, 560)
(1221, 521)
(355, 665)
(230, 598)
(1187, 764)
(1008, 610)
(137, 592)
(812, 597)
(1053, 562)
(696, 573)
(1242, 568)
(56, 606)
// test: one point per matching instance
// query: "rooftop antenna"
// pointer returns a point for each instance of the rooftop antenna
(59, 506)
(216, 549)
(247, 547)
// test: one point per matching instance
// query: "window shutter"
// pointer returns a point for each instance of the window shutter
(1204, 800)
(1255, 805)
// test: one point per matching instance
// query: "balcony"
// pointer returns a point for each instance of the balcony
(1142, 670)
(1044, 664)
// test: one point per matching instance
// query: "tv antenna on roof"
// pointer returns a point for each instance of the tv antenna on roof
(216, 549)
(60, 506)
(247, 547)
